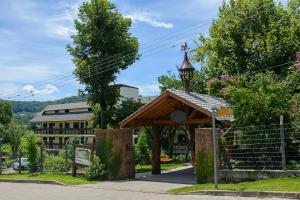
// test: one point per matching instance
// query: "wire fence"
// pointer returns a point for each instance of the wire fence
(272, 147)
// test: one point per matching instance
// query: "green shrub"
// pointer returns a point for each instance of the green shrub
(142, 148)
(95, 171)
(55, 164)
(31, 151)
(204, 167)
(110, 160)
(293, 165)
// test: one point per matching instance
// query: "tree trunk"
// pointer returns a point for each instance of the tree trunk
(103, 107)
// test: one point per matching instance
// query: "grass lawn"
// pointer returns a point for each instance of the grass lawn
(291, 184)
(147, 168)
(65, 179)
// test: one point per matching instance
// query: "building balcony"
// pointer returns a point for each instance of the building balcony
(64, 131)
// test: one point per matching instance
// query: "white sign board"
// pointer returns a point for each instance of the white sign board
(82, 156)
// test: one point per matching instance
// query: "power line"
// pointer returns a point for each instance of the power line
(110, 61)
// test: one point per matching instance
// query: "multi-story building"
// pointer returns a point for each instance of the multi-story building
(57, 124)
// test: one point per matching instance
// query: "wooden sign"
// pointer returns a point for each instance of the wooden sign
(225, 114)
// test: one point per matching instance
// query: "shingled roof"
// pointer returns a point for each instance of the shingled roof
(198, 107)
(67, 106)
(78, 116)
(60, 118)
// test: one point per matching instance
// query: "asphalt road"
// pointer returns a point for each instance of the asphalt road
(17, 191)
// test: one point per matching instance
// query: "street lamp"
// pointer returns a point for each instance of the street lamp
(186, 70)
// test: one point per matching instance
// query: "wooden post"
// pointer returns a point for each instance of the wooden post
(42, 159)
(0, 156)
(282, 147)
(192, 134)
(20, 163)
(73, 163)
(156, 150)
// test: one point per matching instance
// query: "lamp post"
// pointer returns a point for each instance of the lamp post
(186, 70)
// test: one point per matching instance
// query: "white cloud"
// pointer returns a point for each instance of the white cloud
(47, 90)
(148, 18)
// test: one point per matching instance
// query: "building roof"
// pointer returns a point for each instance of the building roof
(202, 100)
(67, 106)
(128, 86)
(59, 118)
(198, 108)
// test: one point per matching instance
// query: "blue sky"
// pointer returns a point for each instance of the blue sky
(33, 35)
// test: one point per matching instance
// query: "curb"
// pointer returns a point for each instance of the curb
(257, 194)
(32, 181)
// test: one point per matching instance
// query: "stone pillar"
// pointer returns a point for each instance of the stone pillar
(122, 143)
(156, 132)
(204, 143)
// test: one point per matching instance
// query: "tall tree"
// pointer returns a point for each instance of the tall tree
(172, 81)
(102, 47)
(5, 112)
(250, 35)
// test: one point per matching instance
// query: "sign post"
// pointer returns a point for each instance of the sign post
(221, 114)
(214, 147)
(82, 155)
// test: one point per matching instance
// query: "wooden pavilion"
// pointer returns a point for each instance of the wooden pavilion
(192, 110)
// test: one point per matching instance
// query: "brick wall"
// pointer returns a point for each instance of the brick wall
(122, 141)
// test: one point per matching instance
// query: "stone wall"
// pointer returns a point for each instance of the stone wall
(122, 141)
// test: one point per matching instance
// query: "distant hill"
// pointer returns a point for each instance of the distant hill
(25, 110)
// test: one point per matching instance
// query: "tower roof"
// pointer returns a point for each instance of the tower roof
(186, 63)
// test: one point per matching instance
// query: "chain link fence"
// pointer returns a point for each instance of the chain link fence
(272, 147)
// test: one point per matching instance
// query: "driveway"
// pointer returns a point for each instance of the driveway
(16, 191)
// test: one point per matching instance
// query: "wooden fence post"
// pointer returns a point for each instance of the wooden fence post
(282, 147)
(73, 163)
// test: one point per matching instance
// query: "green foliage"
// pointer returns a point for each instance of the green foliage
(5, 112)
(204, 167)
(249, 36)
(143, 147)
(31, 151)
(125, 109)
(102, 33)
(95, 171)
(258, 99)
(110, 160)
(14, 136)
(294, 165)
(171, 81)
(55, 164)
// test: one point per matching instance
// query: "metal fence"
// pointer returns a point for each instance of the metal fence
(272, 147)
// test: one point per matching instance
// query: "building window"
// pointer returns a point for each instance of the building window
(82, 140)
(67, 111)
(56, 111)
(76, 125)
(67, 125)
(90, 110)
(44, 125)
(86, 140)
